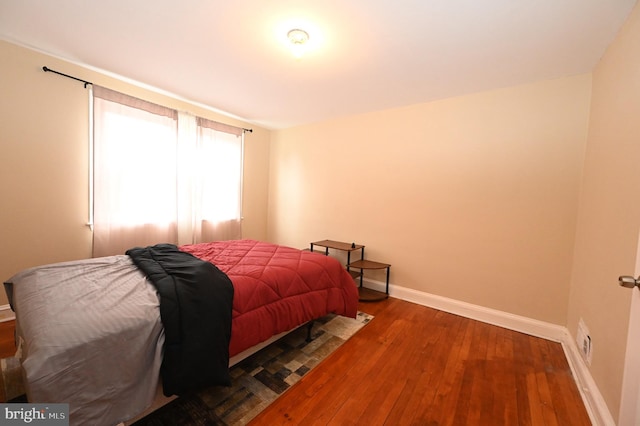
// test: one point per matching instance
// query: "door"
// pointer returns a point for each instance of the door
(630, 405)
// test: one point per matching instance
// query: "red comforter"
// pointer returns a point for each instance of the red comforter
(277, 288)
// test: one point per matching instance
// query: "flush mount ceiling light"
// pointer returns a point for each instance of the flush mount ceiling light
(298, 38)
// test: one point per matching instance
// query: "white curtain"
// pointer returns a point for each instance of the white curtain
(134, 173)
(210, 158)
(218, 194)
(161, 176)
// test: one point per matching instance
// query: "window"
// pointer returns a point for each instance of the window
(161, 176)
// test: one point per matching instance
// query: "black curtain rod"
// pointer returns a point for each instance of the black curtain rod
(45, 69)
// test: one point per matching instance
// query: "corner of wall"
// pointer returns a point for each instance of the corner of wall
(593, 400)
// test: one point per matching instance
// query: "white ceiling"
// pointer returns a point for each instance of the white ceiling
(366, 55)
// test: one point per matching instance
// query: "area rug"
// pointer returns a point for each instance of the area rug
(260, 379)
(11, 378)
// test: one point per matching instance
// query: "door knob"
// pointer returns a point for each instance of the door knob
(628, 282)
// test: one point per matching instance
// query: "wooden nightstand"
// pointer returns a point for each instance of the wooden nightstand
(365, 294)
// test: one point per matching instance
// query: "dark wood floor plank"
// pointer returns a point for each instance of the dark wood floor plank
(383, 370)
(7, 341)
(7, 347)
(353, 405)
(423, 375)
(450, 389)
(503, 366)
(477, 393)
(354, 367)
(420, 377)
(386, 384)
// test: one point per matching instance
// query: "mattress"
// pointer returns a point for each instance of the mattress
(92, 342)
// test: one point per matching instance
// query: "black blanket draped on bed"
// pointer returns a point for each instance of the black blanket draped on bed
(196, 301)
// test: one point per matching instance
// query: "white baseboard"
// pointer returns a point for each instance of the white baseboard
(591, 396)
(6, 314)
(593, 400)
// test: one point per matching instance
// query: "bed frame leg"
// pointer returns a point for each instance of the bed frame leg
(309, 328)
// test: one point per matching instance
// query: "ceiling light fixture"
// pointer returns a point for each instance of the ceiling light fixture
(298, 38)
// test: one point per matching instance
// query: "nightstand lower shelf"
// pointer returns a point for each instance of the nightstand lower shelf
(367, 294)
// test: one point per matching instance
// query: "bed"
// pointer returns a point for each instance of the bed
(90, 332)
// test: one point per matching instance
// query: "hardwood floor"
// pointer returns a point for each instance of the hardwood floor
(416, 365)
(7, 348)
(7, 341)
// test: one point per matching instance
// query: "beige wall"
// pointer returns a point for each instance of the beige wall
(473, 198)
(43, 160)
(609, 217)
